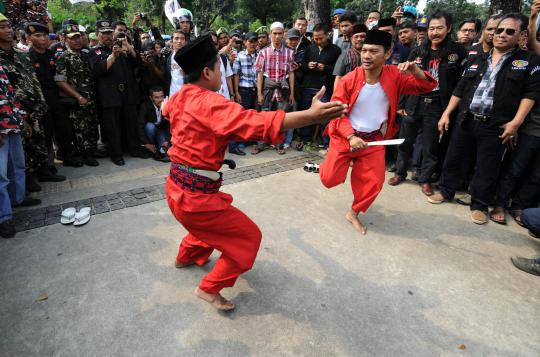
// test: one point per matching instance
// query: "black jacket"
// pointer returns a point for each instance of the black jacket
(313, 78)
(453, 56)
(117, 86)
(147, 114)
(518, 78)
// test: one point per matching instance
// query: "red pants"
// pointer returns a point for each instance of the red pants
(367, 177)
(229, 231)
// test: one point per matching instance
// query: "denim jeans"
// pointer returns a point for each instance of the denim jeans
(523, 160)
(249, 101)
(531, 220)
(155, 134)
(306, 133)
(12, 176)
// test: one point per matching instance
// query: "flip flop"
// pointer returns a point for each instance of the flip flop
(68, 215)
(497, 211)
(83, 216)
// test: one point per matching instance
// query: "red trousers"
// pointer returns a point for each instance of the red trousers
(367, 176)
(229, 231)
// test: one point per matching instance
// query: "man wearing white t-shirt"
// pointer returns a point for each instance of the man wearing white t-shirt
(372, 92)
(173, 73)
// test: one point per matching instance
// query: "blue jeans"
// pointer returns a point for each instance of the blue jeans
(249, 101)
(522, 160)
(530, 218)
(306, 133)
(154, 134)
(12, 176)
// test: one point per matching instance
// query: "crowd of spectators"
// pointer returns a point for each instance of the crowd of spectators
(76, 96)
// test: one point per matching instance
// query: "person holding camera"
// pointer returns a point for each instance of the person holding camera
(113, 61)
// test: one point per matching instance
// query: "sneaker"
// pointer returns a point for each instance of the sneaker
(531, 266)
(479, 217)
(7, 229)
(437, 198)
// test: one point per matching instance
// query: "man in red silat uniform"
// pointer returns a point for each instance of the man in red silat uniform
(372, 92)
(202, 125)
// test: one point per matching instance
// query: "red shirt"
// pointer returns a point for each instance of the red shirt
(394, 84)
(202, 125)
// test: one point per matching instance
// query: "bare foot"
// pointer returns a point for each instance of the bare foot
(352, 217)
(216, 300)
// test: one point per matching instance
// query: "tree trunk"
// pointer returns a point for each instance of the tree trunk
(317, 11)
(505, 6)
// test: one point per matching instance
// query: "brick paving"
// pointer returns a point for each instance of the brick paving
(45, 216)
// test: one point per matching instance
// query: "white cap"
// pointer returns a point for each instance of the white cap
(276, 25)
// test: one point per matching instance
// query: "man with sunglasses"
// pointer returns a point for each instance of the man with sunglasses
(494, 96)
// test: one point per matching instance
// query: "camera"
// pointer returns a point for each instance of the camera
(142, 15)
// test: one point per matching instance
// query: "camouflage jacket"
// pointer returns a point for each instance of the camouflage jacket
(74, 68)
(23, 78)
(11, 115)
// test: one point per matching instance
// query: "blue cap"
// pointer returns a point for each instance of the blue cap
(423, 22)
(410, 9)
(339, 12)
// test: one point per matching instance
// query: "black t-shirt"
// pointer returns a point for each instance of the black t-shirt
(45, 68)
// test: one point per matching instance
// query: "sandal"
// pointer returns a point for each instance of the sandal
(516, 214)
(299, 146)
(281, 151)
(68, 215)
(256, 151)
(498, 211)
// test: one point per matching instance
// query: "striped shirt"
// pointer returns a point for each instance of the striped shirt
(244, 67)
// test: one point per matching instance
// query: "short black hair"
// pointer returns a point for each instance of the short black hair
(372, 11)
(440, 14)
(116, 23)
(348, 16)
(195, 76)
(320, 27)
(155, 89)
(179, 32)
(301, 18)
(477, 24)
(408, 25)
(524, 20)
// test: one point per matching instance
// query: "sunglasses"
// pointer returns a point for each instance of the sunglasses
(509, 32)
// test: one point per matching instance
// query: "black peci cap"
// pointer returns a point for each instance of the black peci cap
(378, 37)
(196, 54)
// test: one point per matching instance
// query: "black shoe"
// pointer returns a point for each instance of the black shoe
(90, 160)
(29, 202)
(531, 266)
(119, 162)
(45, 175)
(7, 229)
(99, 154)
(53, 169)
(141, 153)
(237, 151)
(31, 184)
(161, 157)
(73, 161)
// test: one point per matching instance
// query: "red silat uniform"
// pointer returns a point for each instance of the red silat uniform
(368, 170)
(202, 124)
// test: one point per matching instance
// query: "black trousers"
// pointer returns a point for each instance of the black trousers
(473, 136)
(57, 127)
(120, 126)
(427, 116)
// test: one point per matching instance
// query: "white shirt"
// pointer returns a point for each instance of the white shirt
(224, 90)
(158, 114)
(335, 35)
(370, 110)
(177, 77)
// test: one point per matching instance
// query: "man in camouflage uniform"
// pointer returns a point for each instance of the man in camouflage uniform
(61, 47)
(55, 121)
(75, 77)
(28, 92)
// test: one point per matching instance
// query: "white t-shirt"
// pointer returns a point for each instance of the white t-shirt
(370, 110)
(177, 77)
(224, 91)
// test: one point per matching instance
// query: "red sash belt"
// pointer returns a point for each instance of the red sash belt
(194, 182)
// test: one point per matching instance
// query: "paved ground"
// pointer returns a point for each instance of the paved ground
(424, 282)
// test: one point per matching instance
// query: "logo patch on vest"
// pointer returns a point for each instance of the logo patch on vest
(519, 64)
(472, 53)
(453, 57)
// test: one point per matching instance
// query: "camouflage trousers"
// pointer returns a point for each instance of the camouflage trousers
(85, 127)
(36, 153)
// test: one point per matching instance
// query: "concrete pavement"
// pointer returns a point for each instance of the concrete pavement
(425, 281)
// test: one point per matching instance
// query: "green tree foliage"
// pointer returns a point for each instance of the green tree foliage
(267, 11)
(460, 9)
(363, 7)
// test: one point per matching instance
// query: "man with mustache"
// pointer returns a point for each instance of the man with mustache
(443, 59)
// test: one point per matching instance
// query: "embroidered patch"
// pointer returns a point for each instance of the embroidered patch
(98, 52)
(59, 49)
(519, 64)
(535, 69)
(472, 53)
(473, 67)
(453, 57)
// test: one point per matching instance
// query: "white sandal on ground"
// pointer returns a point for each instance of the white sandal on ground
(68, 215)
(83, 216)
